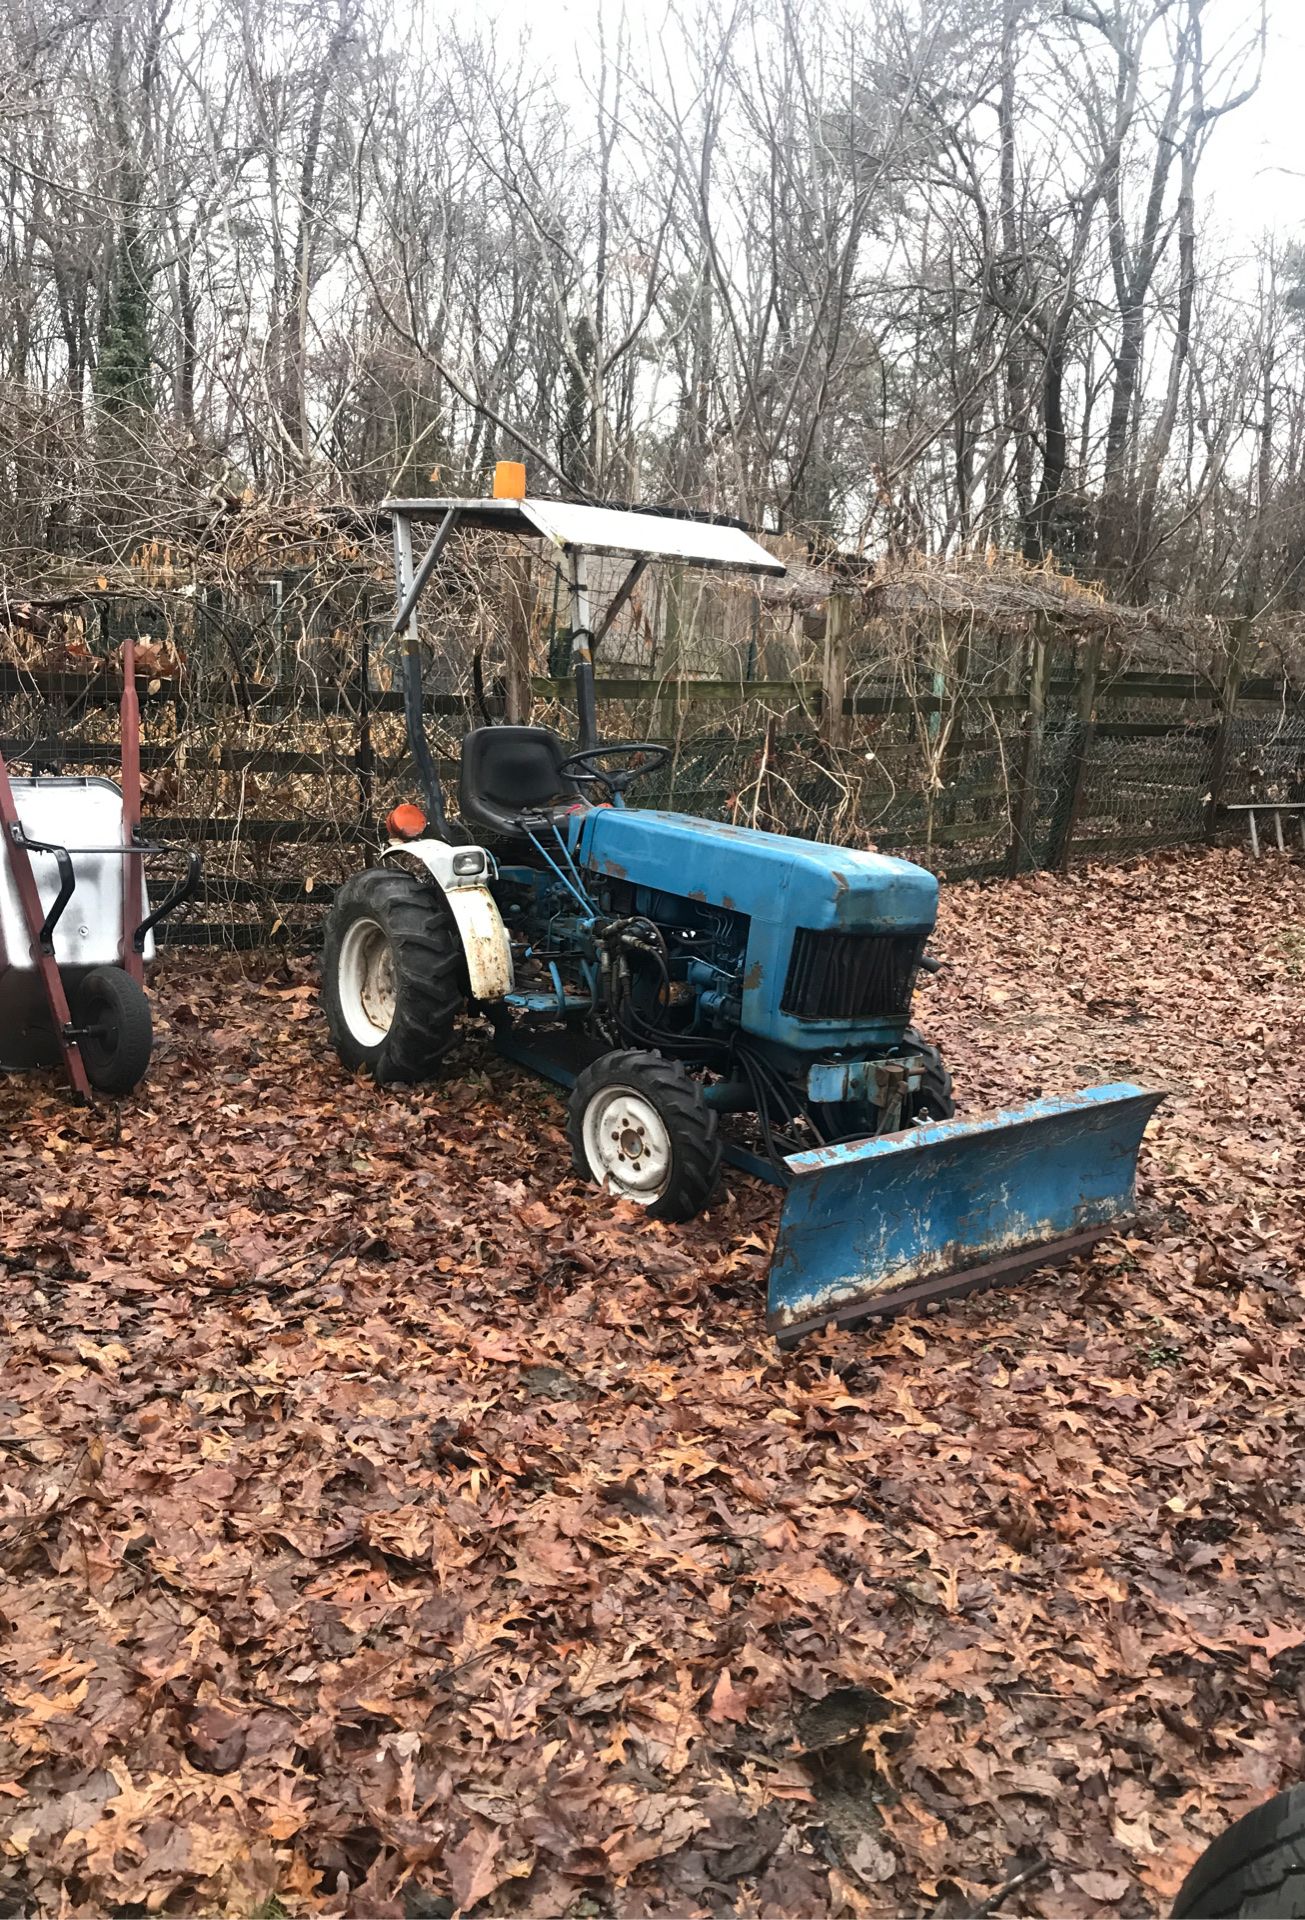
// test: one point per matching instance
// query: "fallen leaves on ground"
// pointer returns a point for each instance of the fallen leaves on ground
(392, 1525)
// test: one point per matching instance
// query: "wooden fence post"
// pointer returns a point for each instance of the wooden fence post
(1229, 689)
(670, 665)
(1028, 780)
(517, 609)
(838, 646)
(1085, 729)
(365, 757)
(953, 753)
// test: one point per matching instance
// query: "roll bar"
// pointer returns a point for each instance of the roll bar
(576, 529)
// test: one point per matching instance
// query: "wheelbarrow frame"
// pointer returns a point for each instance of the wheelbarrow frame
(133, 850)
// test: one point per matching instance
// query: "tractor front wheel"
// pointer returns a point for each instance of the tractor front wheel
(853, 1119)
(1255, 1868)
(639, 1126)
(117, 1029)
(392, 975)
(934, 1100)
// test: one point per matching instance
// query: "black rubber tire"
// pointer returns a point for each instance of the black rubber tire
(691, 1124)
(850, 1120)
(429, 974)
(116, 1051)
(1256, 1869)
(934, 1100)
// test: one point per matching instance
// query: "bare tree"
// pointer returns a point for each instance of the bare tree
(879, 276)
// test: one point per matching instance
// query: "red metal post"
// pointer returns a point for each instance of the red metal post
(133, 891)
(33, 913)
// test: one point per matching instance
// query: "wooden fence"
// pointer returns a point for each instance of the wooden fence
(282, 786)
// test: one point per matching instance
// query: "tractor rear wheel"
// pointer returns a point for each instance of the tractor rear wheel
(117, 1029)
(639, 1126)
(392, 975)
(854, 1119)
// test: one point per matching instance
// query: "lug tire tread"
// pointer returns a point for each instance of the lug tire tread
(1254, 1871)
(692, 1124)
(849, 1121)
(937, 1080)
(429, 970)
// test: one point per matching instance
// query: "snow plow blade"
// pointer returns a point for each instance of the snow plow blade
(887, 1225)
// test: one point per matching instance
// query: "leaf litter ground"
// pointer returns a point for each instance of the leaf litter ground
(392, 1525)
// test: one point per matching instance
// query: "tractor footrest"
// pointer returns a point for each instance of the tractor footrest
(558, 1053)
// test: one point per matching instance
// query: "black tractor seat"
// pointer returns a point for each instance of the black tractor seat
(510, 771)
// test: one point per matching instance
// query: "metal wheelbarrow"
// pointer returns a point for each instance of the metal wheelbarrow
(76, 927)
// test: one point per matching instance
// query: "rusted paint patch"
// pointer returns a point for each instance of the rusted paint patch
(753, 978)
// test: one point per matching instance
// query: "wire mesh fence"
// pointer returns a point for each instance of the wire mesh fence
(1143, 793)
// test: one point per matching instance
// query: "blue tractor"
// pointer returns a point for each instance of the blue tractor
(706, 992)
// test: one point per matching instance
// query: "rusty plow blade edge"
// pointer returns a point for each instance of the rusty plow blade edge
(880, 1226)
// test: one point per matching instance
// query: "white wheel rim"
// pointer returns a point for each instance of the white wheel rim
(627, 1145)
(365, 981)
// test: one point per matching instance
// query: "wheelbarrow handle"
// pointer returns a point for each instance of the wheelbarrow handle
(67, 883)
(181, 892)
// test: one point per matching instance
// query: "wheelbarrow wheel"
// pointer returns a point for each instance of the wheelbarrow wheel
(117, 1029)
(392, 975)
(854, 1119)
(639, 1127)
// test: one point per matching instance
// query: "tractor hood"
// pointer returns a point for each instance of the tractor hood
(768, 876)
(833, 937)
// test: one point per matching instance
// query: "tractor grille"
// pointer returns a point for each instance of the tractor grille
(852, 976)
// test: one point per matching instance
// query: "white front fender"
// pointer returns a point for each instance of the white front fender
(475, 912)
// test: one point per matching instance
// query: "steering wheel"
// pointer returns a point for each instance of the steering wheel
(577, 766)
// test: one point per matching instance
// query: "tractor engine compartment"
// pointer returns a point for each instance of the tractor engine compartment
(677, 963)
(703, 949)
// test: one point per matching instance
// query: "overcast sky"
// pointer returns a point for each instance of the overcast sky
(1253, 177)
(1256, 166)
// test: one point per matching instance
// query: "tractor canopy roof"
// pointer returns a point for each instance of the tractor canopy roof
(570, 523)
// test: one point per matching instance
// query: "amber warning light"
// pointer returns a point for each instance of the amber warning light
(407, 822)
